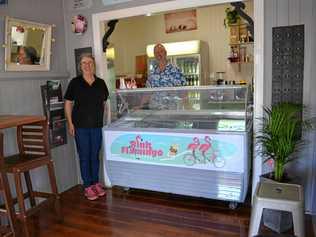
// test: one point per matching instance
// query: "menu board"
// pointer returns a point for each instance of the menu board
(231, 125)
(113, 2)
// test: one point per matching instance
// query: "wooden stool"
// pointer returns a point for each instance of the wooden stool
(7, 210)
(278, 196)
(34, 152)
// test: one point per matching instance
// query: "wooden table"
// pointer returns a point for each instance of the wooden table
(9, 121)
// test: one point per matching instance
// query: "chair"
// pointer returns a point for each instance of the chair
(7, 210)
(34, 152)
(278, 196)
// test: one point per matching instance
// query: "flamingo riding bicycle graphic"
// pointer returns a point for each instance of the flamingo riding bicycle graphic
(203, 153)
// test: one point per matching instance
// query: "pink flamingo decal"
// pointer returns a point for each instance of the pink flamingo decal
(193, 146)
(206, 146)
(136, 142)
(138, 139)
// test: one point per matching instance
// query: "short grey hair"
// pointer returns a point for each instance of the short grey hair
(85, 55)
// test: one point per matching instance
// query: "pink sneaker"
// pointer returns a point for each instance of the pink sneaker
(99, 189)
(90, 193)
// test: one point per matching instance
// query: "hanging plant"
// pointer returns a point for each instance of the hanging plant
(232, 17)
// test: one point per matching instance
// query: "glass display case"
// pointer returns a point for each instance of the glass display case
(220, 108)
(184, 140)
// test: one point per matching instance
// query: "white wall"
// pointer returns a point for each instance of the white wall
(132, 35)
(293, 12)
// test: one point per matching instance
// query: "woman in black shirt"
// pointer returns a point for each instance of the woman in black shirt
(84, 107)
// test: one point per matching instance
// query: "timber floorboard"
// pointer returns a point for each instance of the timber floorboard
(138, 213)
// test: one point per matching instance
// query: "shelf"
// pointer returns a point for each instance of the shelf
(241, 44)
(58, 103)
(226, 102)
(251, 62)
(59, 120)
(55, 109)
(237, 24)
(245, 43)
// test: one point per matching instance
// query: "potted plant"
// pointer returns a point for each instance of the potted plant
(280, 135)
(280, 138)
(232, 17)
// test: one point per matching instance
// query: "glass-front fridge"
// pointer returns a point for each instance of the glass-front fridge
(191, 57)
(190, 67)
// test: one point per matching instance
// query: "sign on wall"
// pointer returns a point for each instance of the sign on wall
(180, 21)
(78, 53)
(81, 4)
(79, 24)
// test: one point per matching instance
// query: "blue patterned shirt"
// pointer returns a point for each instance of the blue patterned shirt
(171, 76)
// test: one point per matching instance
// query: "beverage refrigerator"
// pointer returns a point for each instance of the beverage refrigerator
(191, 57)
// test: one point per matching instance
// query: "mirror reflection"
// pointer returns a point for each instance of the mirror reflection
(28, 45)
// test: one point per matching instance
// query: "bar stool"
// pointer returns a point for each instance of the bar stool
(7, 209)
(34, 152)
(278, 196)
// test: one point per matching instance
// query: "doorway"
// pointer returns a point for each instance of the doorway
(258, 80)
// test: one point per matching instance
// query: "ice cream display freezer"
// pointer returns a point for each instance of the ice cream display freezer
(186, 140)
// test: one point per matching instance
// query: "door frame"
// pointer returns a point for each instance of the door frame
(99, 18)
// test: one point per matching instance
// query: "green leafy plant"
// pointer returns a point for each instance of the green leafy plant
(232, 17)
(280, 135)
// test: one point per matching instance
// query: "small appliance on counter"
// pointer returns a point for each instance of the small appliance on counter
(220, 78)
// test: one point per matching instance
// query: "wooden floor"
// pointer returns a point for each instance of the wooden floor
(140, 213)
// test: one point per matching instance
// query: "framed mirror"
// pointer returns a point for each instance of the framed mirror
(27, 45)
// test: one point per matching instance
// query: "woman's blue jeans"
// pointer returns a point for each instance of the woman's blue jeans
(88, 142)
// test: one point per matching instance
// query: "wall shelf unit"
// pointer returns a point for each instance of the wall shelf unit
(241, 45)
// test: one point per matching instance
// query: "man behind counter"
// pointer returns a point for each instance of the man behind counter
(164, 74)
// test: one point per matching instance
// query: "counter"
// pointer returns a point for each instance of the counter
(185, 140)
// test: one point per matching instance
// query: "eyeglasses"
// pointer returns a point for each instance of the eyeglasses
(87, 63)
